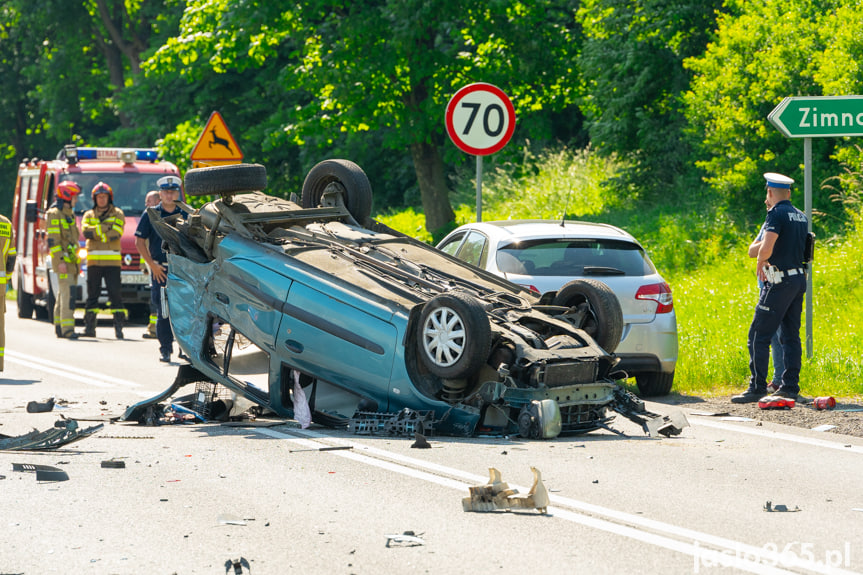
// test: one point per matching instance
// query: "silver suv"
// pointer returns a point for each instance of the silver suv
(545, 256)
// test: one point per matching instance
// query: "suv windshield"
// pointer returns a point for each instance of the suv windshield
(568, 257)
(130, 189)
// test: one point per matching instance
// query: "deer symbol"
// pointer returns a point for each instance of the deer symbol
(220, 141)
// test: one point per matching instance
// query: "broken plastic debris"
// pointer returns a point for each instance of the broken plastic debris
(825, 427)
(497, 495)
(43, 407)
(114, 464)
(228, 519)
(237, 565)
(43, 472)
(421, 442)
(63, 433)
(769, 507)
(407, 537)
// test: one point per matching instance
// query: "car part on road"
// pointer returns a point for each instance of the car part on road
(770, 508)
(43, 472)
(497, 495)
(409, 537)
(293, 305)
(63, 433)
(40, 407)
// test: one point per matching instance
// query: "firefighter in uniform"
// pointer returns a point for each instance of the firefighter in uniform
(103, 228)
(63, 247)
(782, 269)
(7, 264)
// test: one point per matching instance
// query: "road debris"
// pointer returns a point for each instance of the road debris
(770, 508)
(329, 448)
(825, 427)
(237, 565)
(63, 433)
(229, 519)
(43, 472)
(40, 407)
(114, 464)
(409, 537)
(420, 442)
(775, 402)
(496, 495)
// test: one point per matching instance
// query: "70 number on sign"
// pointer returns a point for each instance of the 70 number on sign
(480, 119)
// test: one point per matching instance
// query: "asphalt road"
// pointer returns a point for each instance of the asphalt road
(194, 498)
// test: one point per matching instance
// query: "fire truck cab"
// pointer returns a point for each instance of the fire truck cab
(131, 173)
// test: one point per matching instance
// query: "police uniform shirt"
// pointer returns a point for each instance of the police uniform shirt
(146, 230)
(790, 223)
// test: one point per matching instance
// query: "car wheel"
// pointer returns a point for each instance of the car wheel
(603, 318)
(230, 179)
(353, 183)
(654, 383)
(454, 335)
(25, 302)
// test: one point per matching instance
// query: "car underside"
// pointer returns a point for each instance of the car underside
(312, 306)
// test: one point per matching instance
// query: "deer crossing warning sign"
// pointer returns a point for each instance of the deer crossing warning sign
(216, 146)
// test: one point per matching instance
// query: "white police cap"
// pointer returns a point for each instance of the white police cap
(775, 180)
(169, 183)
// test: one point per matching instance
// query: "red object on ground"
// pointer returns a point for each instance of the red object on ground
(824, 403)
(772, 402)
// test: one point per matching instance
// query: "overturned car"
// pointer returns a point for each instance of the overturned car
(309, 305)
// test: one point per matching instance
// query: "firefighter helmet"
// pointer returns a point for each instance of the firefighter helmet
(68, 189)
(102, 188)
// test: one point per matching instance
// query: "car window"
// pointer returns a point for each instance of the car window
(557, 257)
(474, 251)
(452, 244)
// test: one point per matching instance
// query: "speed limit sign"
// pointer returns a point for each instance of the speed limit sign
(480, 119)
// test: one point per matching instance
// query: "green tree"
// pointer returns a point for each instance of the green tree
(765, 51)
(383, 70)
(633, 59)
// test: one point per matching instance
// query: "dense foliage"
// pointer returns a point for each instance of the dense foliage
(678, 92)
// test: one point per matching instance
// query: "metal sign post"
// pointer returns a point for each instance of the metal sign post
(480, 120)
(810, 117)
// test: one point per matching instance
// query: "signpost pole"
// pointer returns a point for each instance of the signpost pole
(479, 188)
(807, 192)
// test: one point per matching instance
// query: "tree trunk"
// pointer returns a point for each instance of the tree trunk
(433, 190)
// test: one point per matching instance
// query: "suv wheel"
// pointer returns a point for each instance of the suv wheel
(603, 318)
(454, 336)
(654, 383)
(352, 182)
(230, 179)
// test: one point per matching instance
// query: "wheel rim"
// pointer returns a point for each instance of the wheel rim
(444, 337)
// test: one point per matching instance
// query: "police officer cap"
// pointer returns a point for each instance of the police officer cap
(169, 183)
(775, 180)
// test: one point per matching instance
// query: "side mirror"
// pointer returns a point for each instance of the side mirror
(31, 211)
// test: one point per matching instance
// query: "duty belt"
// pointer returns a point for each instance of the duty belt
(791, 272)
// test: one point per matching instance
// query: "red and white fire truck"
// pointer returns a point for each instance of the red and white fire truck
(131, 173)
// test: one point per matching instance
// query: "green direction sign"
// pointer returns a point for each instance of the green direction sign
(819, 116)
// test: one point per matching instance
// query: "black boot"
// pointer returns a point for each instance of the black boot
(118, 324)
(57, 330)
(90, 324)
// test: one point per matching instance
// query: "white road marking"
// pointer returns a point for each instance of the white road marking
(69, 372)
(840, 445)
(712, 549)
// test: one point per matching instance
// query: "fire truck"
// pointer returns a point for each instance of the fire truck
(131, 173)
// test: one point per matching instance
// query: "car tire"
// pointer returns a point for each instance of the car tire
(454, 335)
(357, 194)
(604, 318)
(224, 180)
(25, 302)
(654, 383)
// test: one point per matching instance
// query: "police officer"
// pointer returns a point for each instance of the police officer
(149, 245)
(7, 264)
(63, 247)
(781, 267)
(103, 227)
(151, 201)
